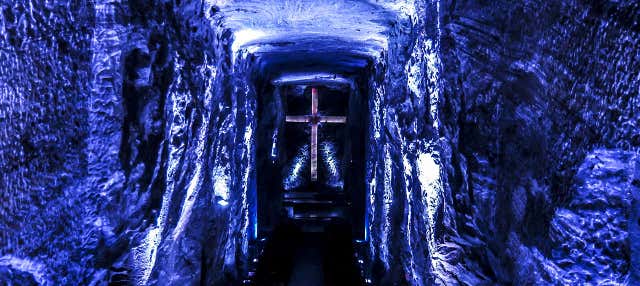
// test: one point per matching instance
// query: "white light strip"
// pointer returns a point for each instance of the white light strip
(244, 37)
(310, 78)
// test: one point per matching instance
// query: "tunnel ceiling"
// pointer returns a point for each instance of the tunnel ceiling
(336, 36)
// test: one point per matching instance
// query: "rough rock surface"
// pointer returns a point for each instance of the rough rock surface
(530, 87)
(9, 276)
(127, 137)
(589, 234)
(106, 108)
(404, 209)
(44, 88)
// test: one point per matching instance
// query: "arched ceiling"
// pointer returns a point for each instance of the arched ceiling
(324, 36)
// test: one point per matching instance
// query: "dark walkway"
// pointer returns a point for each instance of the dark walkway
(307, 261)
(296, 258)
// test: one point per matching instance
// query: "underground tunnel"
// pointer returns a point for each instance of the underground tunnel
(319, 142)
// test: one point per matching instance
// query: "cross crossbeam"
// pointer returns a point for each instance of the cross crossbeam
(315, 119)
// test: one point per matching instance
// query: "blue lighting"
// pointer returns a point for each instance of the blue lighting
(253, 206)
(274, 151)
(255, 230)
(223, 203)
(274, 145)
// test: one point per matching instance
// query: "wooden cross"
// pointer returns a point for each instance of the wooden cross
(314, 118)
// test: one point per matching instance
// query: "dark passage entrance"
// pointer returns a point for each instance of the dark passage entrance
(293, 257)
(310, 165)
(310, 183)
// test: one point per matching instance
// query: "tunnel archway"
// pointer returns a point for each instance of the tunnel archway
(380, 60)
(289, 60)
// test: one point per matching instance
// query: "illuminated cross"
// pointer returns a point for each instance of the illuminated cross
(314, 118)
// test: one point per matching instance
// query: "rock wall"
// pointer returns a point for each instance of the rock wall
(410, 218)
(125, 144)
(44, 86)
(126, 134)
(530, 87)
(590, 235)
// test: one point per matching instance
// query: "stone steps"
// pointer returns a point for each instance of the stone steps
(313, 210)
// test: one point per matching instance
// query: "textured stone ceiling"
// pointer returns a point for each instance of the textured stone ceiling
(337, 36)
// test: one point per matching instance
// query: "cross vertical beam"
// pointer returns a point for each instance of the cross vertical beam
(315, 119)
(314, 134)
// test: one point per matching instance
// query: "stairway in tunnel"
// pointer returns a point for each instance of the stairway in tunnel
(312, 211)
(312, 77)
(295, 257)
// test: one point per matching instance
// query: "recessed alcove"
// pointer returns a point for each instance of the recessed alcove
(285, 188)
(288, 196)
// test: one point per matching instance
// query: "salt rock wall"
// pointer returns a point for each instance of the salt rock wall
(45, 74)
(530, 88)
(590, 235)
(122, 131)
(410, 204)
(504, 139)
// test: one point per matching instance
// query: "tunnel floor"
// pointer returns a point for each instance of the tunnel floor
(296, 258)
(307, 268)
